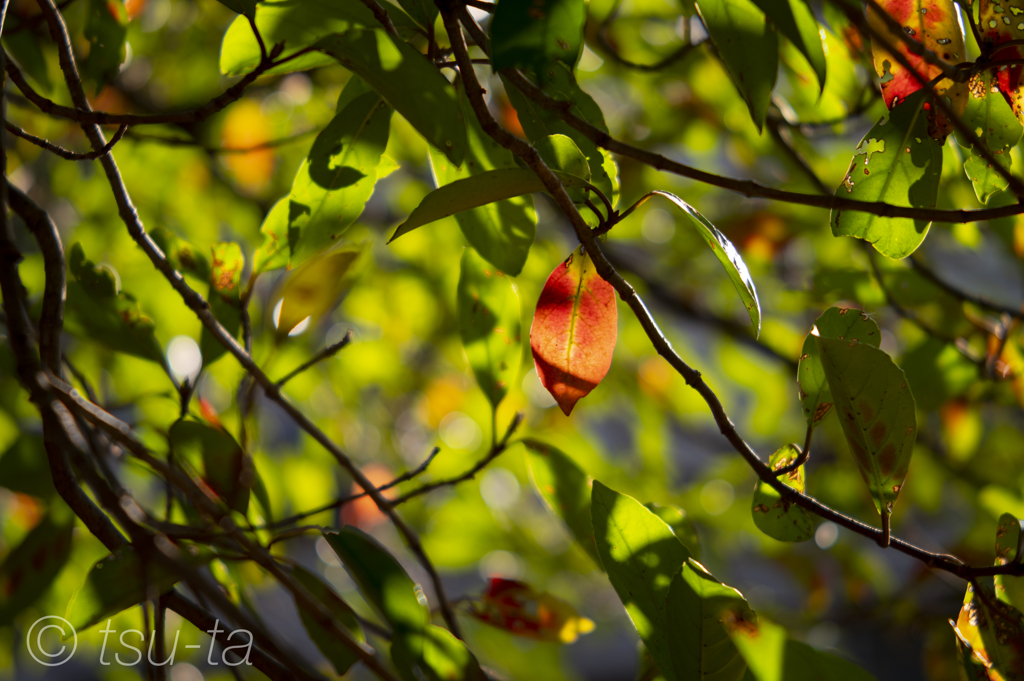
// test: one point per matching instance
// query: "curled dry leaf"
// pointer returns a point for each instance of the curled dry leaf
(933, 23)
(574, 330)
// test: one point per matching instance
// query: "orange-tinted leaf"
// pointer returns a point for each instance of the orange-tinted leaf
(934, 24)
(994, 631)
(999, 23)
(574, 329)
(517, 608)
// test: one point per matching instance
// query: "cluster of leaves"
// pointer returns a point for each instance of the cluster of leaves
(502, 181)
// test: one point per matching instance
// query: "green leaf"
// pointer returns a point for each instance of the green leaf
(876, 410)
(772, 656)
(443, 657)
(340, 657)
(561, 153)
(118, 582)
(28, 52)
(795, 20)
(183, 256)
(31, 567)
(333, 184)
(313, 289)
(565, 488)
(727, 254)
(244, 7)
(994, 630)
(748, 47)
(538, 123)
(530, 34)
(775, 516)
(348, 32)
(381, 579)
(224, 297)
(1009, 547)
(680, 524)
(641, 555)
(226, 469)
(106, 25)
(478, 190)
(700, 608)
(424, 12)
(489, 323)
(991, 118)
(842, 324)
(897, 162)
(24, 468)
(501, 232)
(972, 667)
(95, 308)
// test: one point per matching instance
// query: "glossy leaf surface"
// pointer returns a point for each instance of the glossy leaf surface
(503, 231)
(566, 488)
(773, 515)
(899, 163)
(349, 33)
(876, 411)
(727, 254)
(475, 191)
(533, 33)
(641, 555)
(224, 297)
(489, 323)
(749, 49)
(108, 316)
(994, 630)
(934, 24)
(840, 323)
(341, 658)
(699, 609)
(574, 330)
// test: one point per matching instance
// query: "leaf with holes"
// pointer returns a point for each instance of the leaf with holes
(95, 308)
(700, 609)
(876, 411)
(727, 254)
(994, 631)
(836, 322)
(566, 488)
(1009, 549)
(774, 515)
(574, 330)
(349, 33)
(31, 567)
(531, 34)
(489, 324)
(772, 656)
(225, 467)
(899, 163)
(1000, 22)
(224, 297)
(641, 555)
(503, 231)
(795, 20)
(748, 47)
(340, 657)
(934, 24)
(998, 129)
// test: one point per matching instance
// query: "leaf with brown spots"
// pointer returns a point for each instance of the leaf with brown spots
(876, 410)
(775, 516)
(933, 23)
(224, 297)
(1001, 21)
(993, 630)
(1009, 589)
(574, 330)
(489, 324)
(836, 322)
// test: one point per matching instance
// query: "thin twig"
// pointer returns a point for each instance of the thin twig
(980, 301)
(61, 151)
(327, 352)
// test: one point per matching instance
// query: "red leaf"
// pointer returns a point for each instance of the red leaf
(934, 24)
(519, 609)
(573, 332)
(998, 26)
